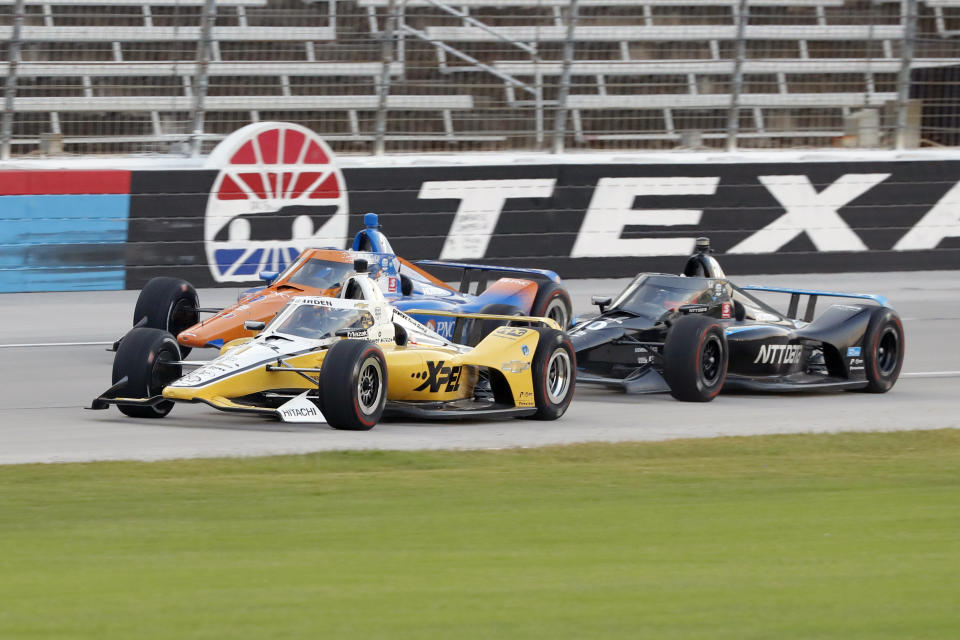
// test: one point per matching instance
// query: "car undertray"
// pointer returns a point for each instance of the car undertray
(640, 380)
(797, 382)
(458, 409)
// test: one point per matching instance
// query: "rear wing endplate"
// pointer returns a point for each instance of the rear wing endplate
(812, 300)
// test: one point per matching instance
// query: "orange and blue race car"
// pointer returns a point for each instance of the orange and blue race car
(172, 304)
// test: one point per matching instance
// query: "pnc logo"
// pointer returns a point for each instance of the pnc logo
(443, 327)
(278, 192)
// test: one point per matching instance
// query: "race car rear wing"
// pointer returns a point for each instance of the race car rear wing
(547, 322)
(478, 273)
(812, 299)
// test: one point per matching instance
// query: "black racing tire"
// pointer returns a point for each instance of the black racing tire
(353, 385)
(695, 359)
(480, 329)
(169, 304)
(554, 371)
(884, 344)
(141, 357)
(552, 301)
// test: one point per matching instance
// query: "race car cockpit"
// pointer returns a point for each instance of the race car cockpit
(651, 295)
(317, 321)
(318, 273)
(701, 288)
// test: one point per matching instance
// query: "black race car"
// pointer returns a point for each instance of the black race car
(697, 333)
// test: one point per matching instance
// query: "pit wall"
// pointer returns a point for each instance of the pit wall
(112, 228)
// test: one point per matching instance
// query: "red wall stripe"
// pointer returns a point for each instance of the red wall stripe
(15, 183)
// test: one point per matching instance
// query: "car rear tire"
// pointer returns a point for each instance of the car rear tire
(695, 358)
(142, 357)
(554, 371)
(883, 349)
(168, 304)
(480, 329)
(353, 385)
(552, 301)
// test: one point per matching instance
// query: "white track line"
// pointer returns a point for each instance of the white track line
(54, 344)
(930, 374)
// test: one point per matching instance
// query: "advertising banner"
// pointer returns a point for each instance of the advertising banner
(63, 230)
(272, 189)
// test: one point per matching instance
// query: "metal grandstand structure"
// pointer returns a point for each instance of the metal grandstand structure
(375, 76)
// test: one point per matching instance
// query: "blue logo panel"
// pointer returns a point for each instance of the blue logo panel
(63, 242)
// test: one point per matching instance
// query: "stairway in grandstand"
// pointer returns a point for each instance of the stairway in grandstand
(469, 74)
(102, 72)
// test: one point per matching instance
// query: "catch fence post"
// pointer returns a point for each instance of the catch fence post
(538, 104)
(383, 91)
(736, 82)
(909, 19)
(201, 78)
(10, 91)
(560, 121)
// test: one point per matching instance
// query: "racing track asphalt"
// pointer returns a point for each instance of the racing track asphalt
(44, 388)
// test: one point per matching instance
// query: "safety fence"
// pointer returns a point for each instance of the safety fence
(114, 229)
(386, 76)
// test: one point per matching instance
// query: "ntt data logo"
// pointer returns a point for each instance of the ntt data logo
(278, 192)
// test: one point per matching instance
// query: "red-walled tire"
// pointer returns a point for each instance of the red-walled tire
(353, 385)
(695, 359)
(554, 371)
(883, 348)
(552, 301)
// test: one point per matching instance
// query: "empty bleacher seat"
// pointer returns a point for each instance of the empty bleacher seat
(485, 71)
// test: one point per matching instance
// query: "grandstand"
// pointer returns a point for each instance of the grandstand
(119, 76)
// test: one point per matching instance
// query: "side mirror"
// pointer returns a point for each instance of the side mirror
(269, 276)
(739, 311)
(601, 301)
(254, 325)
(360, 265)
(406, 285)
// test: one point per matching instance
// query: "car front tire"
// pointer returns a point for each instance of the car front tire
(168, 304)
(695, 359)
(143, 357)
(883, 350)
(353, 385)
(554, 371)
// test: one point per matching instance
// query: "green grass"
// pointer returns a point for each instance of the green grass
(816, 536)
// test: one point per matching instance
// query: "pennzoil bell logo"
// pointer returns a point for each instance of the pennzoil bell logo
(278, 192)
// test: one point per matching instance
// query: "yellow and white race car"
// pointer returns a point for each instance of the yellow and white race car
(348, 361)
